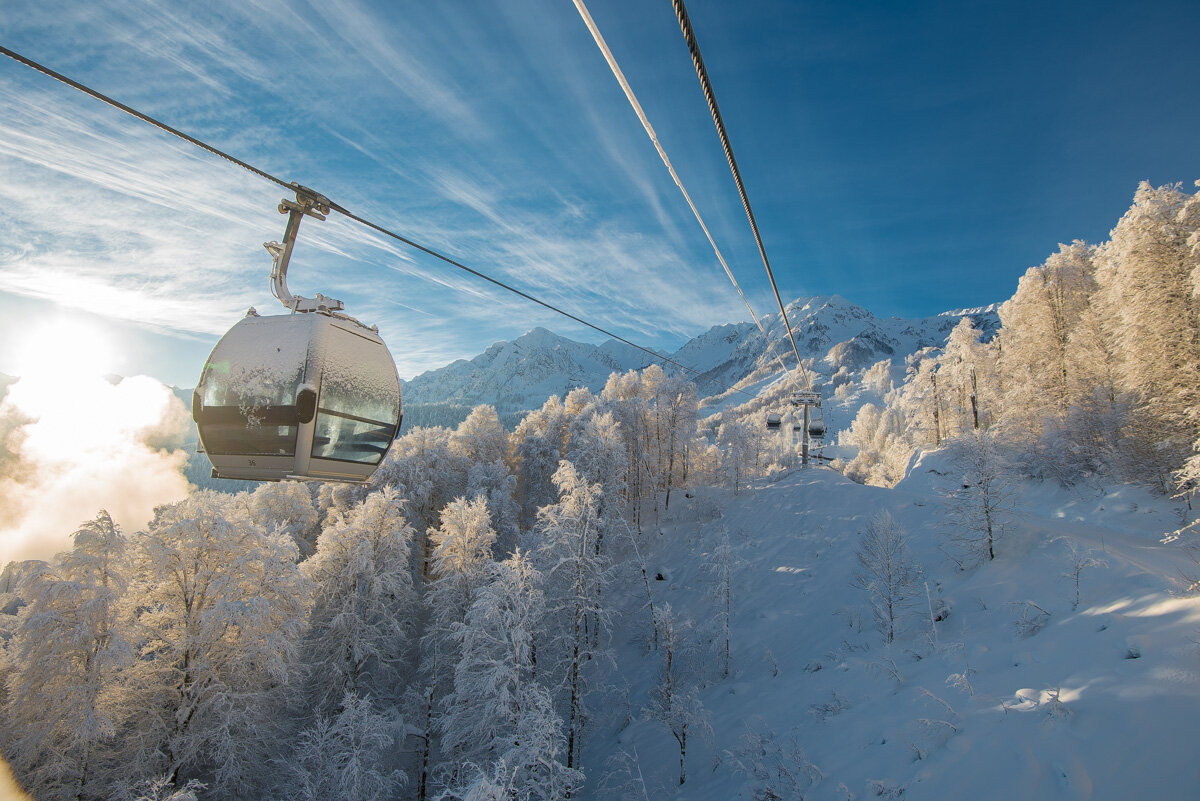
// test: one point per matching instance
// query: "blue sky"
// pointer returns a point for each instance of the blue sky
(912, 157)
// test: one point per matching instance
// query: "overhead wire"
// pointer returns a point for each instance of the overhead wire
(295, 187)
(689, 37)
(581, 7)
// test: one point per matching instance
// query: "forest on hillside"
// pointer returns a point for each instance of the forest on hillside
(1095, 370)
(439, 632)
(436, 629)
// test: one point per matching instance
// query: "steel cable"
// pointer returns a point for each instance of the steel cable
(352, 216)
(689, 37)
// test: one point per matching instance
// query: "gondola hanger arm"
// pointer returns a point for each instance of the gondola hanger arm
(315, 205)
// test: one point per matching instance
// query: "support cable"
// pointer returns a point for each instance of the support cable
(641, 114)
(689, 36)
(352, 216)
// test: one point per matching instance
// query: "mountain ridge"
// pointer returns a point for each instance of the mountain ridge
(832, 334)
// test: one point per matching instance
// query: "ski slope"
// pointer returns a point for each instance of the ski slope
(1086, 703)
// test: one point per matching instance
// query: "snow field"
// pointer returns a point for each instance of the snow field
(1014, 695)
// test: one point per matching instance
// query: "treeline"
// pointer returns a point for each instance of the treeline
(433, 634)
(1095, 370)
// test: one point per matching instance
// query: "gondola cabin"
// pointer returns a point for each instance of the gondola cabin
(310, 396)
(773, 422)
(816, 429)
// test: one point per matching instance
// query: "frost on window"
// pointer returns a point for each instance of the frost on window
(359, 403)
(248, 392)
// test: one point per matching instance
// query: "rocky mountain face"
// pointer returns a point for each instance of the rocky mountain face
(837, 335)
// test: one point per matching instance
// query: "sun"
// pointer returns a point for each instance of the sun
(64, 348)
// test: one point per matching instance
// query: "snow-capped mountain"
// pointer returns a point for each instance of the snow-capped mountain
(519, 375)
(831, 331)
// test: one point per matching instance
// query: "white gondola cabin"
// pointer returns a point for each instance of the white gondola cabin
(311, 395)
(308, 396)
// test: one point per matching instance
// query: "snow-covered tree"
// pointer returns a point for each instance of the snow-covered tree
(778, 770)
(428, 473)
(884, 450)
(674, 413)
(1039, 323)
(739, 446)
(496, 484)
(980, 502)
(1079, 558)
(500, 713)
(1148, 269)
(656, 413)
(287, 505)
(363, 603)
(61, 709)
(719, 565)
(343, 755)
(967, 372)
(576, 574)
(878, 378)
(481, 439)
(888, 573)
(462, 549)
(675, 699)
(598, 453)
(219, 607)
(540, 445)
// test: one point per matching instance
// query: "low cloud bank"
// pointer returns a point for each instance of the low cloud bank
(68, 449)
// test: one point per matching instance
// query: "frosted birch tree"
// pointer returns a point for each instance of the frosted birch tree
(540, 445)
(675, 699)
(739, 450)
(287, 505)
(981, 501)
(480, 439)
(497, 485)
(719, 564)
(462, 550)
(219, 608)
(363, 603)
(598, 453)
(500, 715)
(428, 473)
(62, 712)
(576, 574)
(343, 755)
(888, 573)
(1039, 322)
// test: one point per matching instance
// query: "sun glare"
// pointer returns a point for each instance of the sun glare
(64, 348)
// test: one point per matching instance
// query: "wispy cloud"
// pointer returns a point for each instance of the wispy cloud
(477, 133)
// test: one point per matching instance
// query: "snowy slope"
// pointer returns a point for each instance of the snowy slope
(884, 722)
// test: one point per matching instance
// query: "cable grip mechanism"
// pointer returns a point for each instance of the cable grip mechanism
(312, 204)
